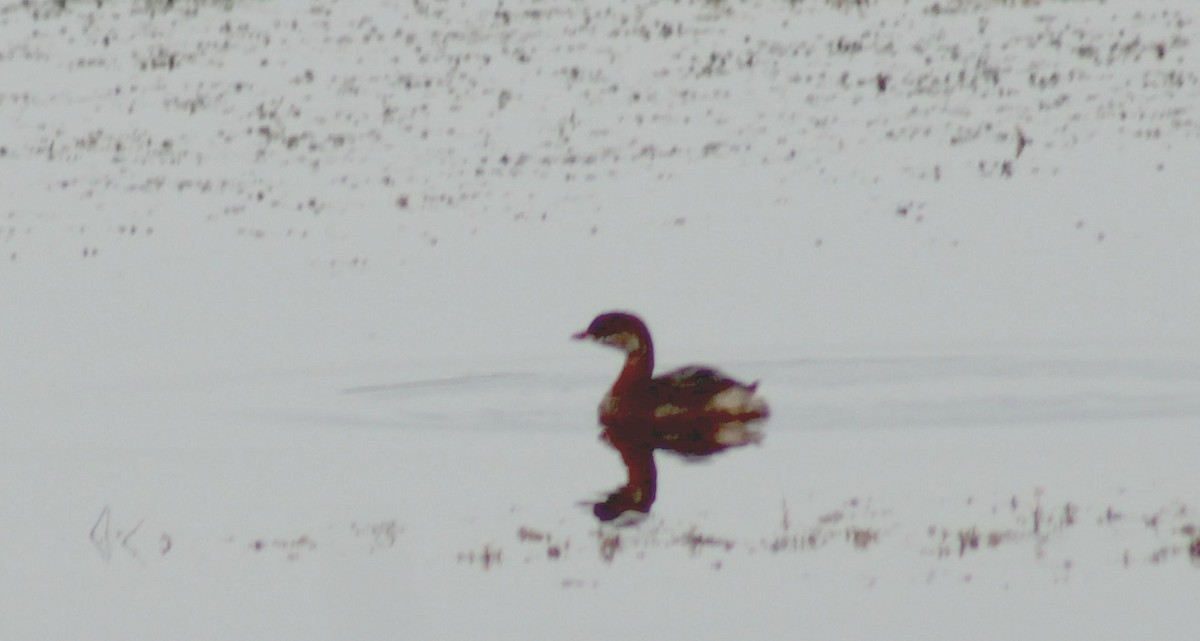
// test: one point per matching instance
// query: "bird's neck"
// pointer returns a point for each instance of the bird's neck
(639, 367)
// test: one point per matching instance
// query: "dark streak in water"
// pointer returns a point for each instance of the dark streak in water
(452, 381)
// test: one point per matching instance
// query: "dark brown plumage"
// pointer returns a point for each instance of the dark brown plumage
(694, 411)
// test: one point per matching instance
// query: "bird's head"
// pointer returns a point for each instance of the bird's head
(621, 330)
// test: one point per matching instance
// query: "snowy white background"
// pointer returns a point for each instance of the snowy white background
(286, 290)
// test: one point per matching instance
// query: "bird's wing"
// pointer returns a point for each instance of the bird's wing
(694, 388)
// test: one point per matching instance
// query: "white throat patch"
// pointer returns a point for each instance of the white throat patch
(624, 340)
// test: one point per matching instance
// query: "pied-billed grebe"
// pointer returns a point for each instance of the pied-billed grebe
(693, 411)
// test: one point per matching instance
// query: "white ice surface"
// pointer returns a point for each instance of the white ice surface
(286, 292)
